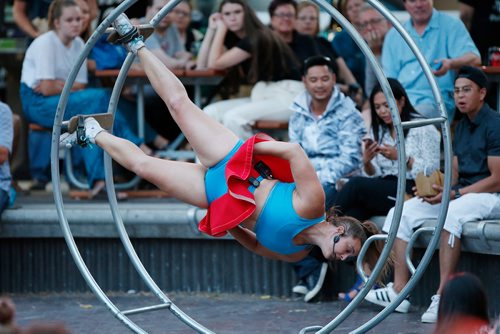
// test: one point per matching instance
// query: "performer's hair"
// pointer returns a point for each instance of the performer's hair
(363, 230)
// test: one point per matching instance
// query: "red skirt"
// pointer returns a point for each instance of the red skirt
(232, 208)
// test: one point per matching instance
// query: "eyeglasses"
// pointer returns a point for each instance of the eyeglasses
(307, 18)
(372, 22)
(465, 89)
(284, 15)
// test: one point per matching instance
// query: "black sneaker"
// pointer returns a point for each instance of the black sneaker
(301, 287)
(315, 282)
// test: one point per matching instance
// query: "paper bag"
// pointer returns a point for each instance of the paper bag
(424, 183)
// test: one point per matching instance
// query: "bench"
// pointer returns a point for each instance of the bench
(482, 237)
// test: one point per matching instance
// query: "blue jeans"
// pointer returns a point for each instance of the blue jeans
(41, 110)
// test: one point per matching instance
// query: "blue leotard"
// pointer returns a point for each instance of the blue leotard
(278, 223)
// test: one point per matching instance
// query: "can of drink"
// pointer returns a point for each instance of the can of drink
(494, 56)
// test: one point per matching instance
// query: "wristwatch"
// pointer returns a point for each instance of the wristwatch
(457, 192)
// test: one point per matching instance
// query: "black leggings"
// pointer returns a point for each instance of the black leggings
(364, 197)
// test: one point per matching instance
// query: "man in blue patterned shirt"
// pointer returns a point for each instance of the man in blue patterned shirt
(329, 128)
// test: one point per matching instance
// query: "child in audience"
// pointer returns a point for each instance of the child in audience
(46, 67)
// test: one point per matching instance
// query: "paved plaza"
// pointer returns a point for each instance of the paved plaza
(224, 313)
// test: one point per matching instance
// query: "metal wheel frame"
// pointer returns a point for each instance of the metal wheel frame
(166, 302)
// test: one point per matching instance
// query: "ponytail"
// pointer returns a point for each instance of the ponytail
(362, 231)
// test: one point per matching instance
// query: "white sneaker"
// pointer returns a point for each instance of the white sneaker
(384, 296)
(92, 128)
(430, 316)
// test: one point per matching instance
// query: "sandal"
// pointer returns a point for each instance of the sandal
(349, 295)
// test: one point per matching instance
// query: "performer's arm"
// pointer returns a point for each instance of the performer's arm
(248, 240)
(311, 197)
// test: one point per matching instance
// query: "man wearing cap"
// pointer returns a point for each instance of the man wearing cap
(474, 195)
(446, 46)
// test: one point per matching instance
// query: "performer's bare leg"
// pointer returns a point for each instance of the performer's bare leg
(182, 180)
(211, 140)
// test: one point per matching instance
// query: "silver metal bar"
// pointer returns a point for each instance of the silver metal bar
(423, 122)
(362, 252)
(147, 309)
(140, 109)
(70, 175)
(409, 247)
(445, 131)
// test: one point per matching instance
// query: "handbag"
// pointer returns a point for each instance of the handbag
(424, 183)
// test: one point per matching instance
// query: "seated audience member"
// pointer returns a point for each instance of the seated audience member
(237, 38)
(345, 46)
(283, 15)
(475, 193)
(181, 18)
(165, 42)
(307, 23)
(6, 139)
(481, 18)
(373, 27)
(373, 193)
(445, 44)
(464, 306)
(31, 16)
(329, 128)
(89, 14)
(46, 67)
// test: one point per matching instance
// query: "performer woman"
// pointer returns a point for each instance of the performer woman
(265, 193)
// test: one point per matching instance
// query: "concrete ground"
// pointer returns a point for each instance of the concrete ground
(225, 313)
